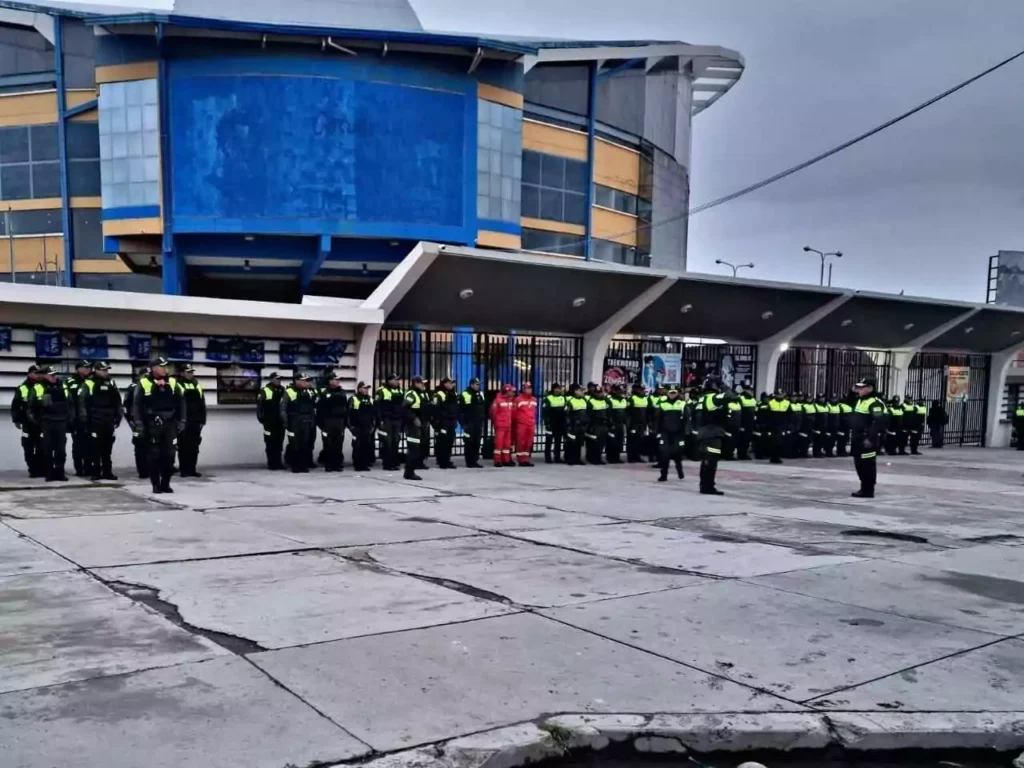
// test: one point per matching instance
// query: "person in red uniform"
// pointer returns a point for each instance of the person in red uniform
(525, 424)
(502, 417)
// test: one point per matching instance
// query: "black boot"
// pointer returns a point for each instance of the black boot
(679, 470)
(412, 476)
(663, 477)
(863, 494)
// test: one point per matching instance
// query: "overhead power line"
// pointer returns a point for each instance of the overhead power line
(814, 160)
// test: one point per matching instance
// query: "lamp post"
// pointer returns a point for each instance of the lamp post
(824, 256)
(734, 267)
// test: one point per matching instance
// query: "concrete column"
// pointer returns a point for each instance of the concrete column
(998, 435)
(900, 371)
(174, 271)
(595, 342)
(366, 348)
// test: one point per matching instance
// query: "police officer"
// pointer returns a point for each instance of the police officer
(100, 410)
(413, 413)
(576, 425)
(651, 444)
(362, 422)
(867, 427)
(733, 422)
(694, 407)
(637, 421)
(843, 433)
(671, 427)
(748, 423)
(714, 414)
(158, 409)
(389, 421)
(139, 446)
(331, 420)
(820, 429)
(614, 443)
(781, 425)
(762, 427)
(80, 439)
(445, 414)
(268, 413)
(298, 414)
(22, 421)
(920, 413)
(895, 437)
(597, 426)
(473, 418)
(195, 420)
(1018, 426)
(554, 416)
(50, 411)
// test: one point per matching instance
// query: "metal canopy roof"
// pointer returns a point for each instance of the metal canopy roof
(993, 329)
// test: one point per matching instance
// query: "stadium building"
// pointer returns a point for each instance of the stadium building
(264, 150)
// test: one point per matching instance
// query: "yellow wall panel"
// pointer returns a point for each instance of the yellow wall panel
(153, 226)
(499, 95)
(489, 239)
(553, 226)
(120, 73)
(99, 266)
(37, 108)
(29, 253)
(48, 203)
(554, 140)
(614, 226)
(616, 167)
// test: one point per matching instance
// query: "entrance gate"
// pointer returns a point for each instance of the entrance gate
(826, 371)
(928, 380)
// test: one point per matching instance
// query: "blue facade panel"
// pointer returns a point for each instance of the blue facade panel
(282, 145)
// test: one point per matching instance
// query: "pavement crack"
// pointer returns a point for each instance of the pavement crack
(880, 534)
(150, 597)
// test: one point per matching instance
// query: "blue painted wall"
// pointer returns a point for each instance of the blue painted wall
(322, 145)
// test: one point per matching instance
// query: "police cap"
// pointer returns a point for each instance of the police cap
(188, 369)
(392, 377)
(303, 377)
(865, 381)
(556, 385)
(273, 376)
(473, 381)
(83, 364)
(101, 366)
(362, 385)
(330, 376)
(47, 370)
(160, 362)
(446, 380)
(415, 379)
(33, 369)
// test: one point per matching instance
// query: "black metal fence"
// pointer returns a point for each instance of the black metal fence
(928, 380)
(643, 360)
(826, 371)
(495, 359)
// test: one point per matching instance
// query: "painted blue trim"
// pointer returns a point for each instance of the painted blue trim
(226, 25)
(175, 271)
(87, 106)
(591, 140)
(496, 225)
(629, 64)
(111, 245)
(316, 227)
(417, 351)
(469, 169)
(462, 353)
(62, 149)
(130, 212)
(311, 267)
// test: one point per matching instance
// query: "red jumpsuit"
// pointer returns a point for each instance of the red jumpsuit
(525, 426)
(502, 412)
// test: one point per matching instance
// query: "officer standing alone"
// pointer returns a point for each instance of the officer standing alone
(100, 411)
(553, 414)
(714, 414)
(268, 413)
(473, 417)
(867, 429)
(21, 418)
(195, 421)
(331, 420)
(362, 422)
(445, 414)
(298, 414)
(159, 410)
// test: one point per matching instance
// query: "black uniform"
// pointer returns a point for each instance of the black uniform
(915, 425)
(843, 433)
(23, 422)
(748, 425)
(473, 418)
(100, 411)
(694, 406)
(195, 420)
(576, 428)
(362, 421)
(820, 429)
(51, 412)
(389, 424)
(139, 446)
(895, 436)
(298, 414)
(554, 416)
(445, 414)
(615, 442)
(80, 439)
(671, 426)
(781, 424)
(413, 413)
(268, 413)
(159, 411)
(762, 427)
(331, 420)
(597, 427)
(733, 422)
(637, 421)
(937, 420)
(867, 427)
(713, 418)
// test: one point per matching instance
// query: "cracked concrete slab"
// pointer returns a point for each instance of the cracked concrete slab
(60, 627)
(212, 493)
(683, 550)
(52, 502)
(993, 561)
(961, 600)
(19, 555)
(337, 524)
(173, 534)
(490, 514)
(983, 680)
(291, 599)
(623, 504)
(400, 690)
(354, 487)
(219, 712)
(526, 573)
(798, 647)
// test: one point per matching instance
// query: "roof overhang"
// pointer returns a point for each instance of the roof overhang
(992, 329)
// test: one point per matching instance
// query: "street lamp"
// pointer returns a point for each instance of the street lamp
(824, 256)
(734, 267)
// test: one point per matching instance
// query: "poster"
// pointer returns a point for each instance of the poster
(621, 371)
(49, 345)
(326, 352)
(736, 372)
(5, 339)
(662, 369)
(958, 382)
(289, 352)
(93, 346)
(178, 348)
(140, 347)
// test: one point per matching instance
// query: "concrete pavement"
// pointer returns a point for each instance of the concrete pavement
(271, 619)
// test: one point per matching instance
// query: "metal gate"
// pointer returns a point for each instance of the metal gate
(735, 364)
(827, 371)
(495, 359)
(928, 380)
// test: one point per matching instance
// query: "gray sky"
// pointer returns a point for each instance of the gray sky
(918, 208)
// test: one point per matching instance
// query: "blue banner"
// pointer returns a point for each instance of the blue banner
(253, 351)
(93, 346)
(219, 350)
(140, 348)
(326, 352)
(178, 348)
(49, 345)
(5, 339)
(289, 352)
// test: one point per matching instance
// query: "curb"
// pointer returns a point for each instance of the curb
(518, 745)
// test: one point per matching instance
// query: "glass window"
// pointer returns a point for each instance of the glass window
(45, 180)
(531, 201)
(84, 178)
(83, 142)
(552, 242)
(551, 204)
(552, 171)
(87, 232)
(576, 176)
(44, 142)
(531, 167)
(14, 145)
(128, 145)
(575, 210)
(33, 222)
(15, 182)
(615, 199)
(499, 146)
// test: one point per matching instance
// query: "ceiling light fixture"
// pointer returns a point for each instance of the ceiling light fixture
(846, 322)
(1015, 333)
(767, 315)
(686, 308)
(908, 326)
(969, 329)
(784, 346)
(466, 293)
(579, 301)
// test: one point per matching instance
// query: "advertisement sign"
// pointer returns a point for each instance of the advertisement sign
(1010, 279)
(621, 371)
(736, 372)
(958, 382)
(662, 369)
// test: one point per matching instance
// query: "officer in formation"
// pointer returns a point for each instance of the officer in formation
(671, 421)
(158, 412)
(445, 415)
(297, 411)
(195, 421)
(414, 423)
(638, 413)
(473, 418)
(1018, 424)
(362, 419)
(268, 413)
(389, 421)
(139, 447)
(100, 411)
(80, 439)
(332, 419)
(554, 415)
(49, 413)
(22, 419)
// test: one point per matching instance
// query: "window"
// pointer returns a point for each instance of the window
(552, 242)
(237, 385)
(554, 188)
(129, 143)
(499, 163)
(29, 161)
(623, 202)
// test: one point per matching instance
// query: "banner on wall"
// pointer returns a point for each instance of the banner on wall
(93, 346)
(958, 383)
(662, 369)
(49, 345)
(326, 352)
(5, 339)
(140, 347)
(178, 348)
(621, 371)
(218, 350)
(736, 372)
(289, 352)
(224, 350)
